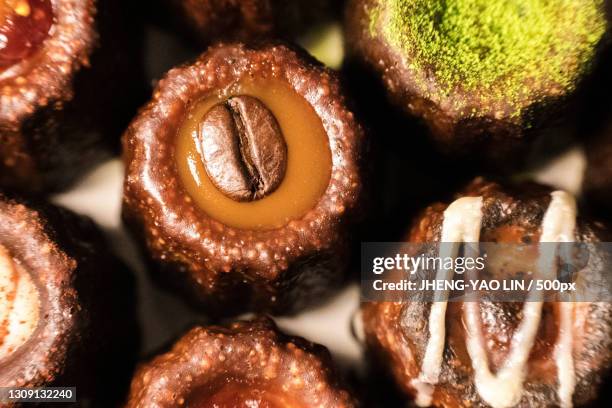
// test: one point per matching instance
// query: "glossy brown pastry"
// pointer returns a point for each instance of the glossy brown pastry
(245, 20)
(62, 65)
(489, 353)
(245, 364)
(243, 176)
(486, 76)
(57, 325)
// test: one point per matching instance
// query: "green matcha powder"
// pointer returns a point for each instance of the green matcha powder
(512, 49)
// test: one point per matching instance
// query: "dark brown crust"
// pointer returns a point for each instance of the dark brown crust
(56, 112)
(244, 20)
(219, 266)
(490, 137)
(254, 351)
(25, 234)
(598, 176)
(70, 265)
(397, 333)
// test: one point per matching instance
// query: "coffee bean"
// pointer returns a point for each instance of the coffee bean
(243, 149)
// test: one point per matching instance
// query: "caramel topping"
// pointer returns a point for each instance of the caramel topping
(24, 25)
(19, 305)
(293, 159)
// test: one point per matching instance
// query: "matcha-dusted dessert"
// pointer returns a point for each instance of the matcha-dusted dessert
(483, 74)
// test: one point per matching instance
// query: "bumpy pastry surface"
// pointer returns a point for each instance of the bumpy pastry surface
(34, 90)
(218, 265)
(397, 333)
(250, 360)
(83, 296)
(25, 235)
(64, 105)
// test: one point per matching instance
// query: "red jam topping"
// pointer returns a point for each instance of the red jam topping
(24, 25)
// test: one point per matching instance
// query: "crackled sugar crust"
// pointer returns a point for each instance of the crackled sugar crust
(254, 352)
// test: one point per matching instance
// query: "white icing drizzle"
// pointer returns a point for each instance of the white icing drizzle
(564, 357)
(564, 227)
(462, 223)
(505, 389)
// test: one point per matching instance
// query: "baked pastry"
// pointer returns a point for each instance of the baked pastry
(245, 364)
(250, 194)
(485, 76)
(62, 65)
(491, 353)
(57, 325)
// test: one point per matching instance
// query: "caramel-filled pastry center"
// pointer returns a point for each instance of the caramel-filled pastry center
(19, 305)
(240, 395)
(295, 175)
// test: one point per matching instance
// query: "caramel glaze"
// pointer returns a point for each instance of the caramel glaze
(220, 267)
(240, 365)
(308, 163)
(397, 333)
(86, 334)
